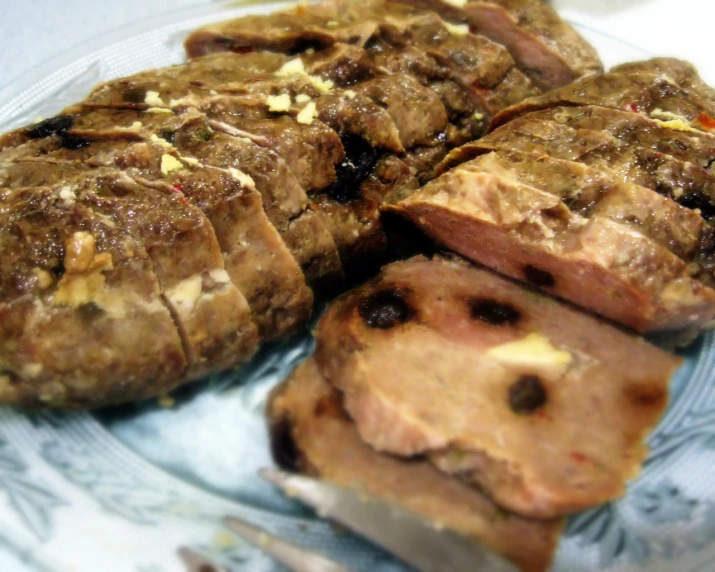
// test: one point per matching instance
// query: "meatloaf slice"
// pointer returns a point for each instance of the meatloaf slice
(670, 137)
(590, 192)
(531, 235)
(543, 407)
(190, 134)
(256, 259)
(211, 315)
(687, 183)
(82, 320)
(544, 46)
(641, 92)
(310, 433)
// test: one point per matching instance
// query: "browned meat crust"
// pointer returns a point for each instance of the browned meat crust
(311, 433)
(531, 235)
(545, 47)
(425, 358)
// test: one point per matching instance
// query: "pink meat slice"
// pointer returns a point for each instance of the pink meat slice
(419, 354)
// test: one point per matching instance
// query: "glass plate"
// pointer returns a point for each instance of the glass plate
(122, 489)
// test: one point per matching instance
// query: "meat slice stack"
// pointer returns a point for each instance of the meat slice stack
(599, 192)
(449, 390)
(234, 186)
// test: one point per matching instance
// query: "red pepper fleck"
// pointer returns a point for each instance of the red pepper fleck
(177, 188)
(630, 107)
(705, 121)
(578, 457)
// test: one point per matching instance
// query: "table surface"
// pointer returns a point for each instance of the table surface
(32, 31)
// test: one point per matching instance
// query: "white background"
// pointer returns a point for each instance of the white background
(32, 31)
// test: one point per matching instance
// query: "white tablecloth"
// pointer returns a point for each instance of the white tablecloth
(32, 31)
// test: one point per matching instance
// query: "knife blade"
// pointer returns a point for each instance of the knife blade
(416, 541)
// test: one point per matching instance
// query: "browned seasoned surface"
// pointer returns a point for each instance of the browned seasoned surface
(542, 406)
(596, 263)
(82, 320)
(311, 433)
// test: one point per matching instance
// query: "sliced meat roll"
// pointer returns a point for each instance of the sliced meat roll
(82, 320)
(671, 137)
(494, 383)
(531, 235)
(642, 92)
(310, 433)
(255, 257)
(211, 315)
(545, 47)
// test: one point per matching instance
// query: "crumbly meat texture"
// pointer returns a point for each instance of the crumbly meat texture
(82, 320)
(545, 47)
(311, 433)
(256, 260)
(532, 235)
(543, 407)
(646, 92)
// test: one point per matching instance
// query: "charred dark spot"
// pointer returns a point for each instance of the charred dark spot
(539, 277)
(699, 201)
(385, 309)
(203, 135)
(493, 312)
(328, 406)
(526, 395)
(646, 396)
(360, 158)
(134, 95)
(59, 270)
(53, 126)
(302, 45)
(168, 135)
(72, 142)
(283, 446)
(89, 312)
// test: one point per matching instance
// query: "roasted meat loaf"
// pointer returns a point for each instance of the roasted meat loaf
(311, 433)
(542, 406)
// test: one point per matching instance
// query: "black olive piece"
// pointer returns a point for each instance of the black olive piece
(360, 158)
(51, 126)
(385, 310)
(493, 312)
(72, 142)
(526, 395)
(539, 277)
(168, 135)
(283, 446)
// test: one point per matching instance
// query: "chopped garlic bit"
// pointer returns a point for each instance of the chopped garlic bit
(159, 110)
(332, 24)
(307, 114)
(183, 296)
(159, 141)
(532, 354)
(152, 98)
(350, 94)
(278, 103)
(67, 195)
(478, 116)
(243, 178)
(190, 161)
(322, 85)
(456, 3)
(137, 125)
(169, 164)
(302, 98)
(677, 124)
(213, 92)
(292, 67)
(457, 30)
